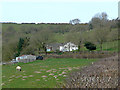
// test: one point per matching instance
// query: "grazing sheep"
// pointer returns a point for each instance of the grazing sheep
(18, 68)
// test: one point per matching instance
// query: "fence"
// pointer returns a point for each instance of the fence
(82, 55)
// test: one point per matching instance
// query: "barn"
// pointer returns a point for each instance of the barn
(26, 58)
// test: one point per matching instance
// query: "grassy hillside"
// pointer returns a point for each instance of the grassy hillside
(60, 38)
(107, 46)
(36, 34)
(41, 74)
(0, 48)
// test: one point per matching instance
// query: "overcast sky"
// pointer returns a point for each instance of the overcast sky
(55, 11)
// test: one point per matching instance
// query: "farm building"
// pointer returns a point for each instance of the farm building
(26, 58)
(62, 47)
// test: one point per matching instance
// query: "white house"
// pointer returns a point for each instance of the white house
(68, 47)
(62, 47)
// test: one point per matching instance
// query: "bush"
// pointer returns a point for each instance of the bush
(90, 46)
(49, 52)
(58, 52)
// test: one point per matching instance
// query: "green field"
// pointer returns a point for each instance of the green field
(106, 46)
(109, 46)
(41, 74)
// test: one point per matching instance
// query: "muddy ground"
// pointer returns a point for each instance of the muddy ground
(101, 74)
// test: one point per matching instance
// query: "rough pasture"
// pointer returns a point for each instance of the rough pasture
(41, 74)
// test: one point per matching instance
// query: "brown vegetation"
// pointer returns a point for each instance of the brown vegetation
(101, 74)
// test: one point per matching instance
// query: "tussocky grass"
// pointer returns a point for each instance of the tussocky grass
(49, 74)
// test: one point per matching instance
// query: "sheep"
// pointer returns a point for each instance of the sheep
(18, 68)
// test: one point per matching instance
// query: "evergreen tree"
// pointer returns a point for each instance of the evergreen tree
(90, 46)
(19, 47)
(90, 26)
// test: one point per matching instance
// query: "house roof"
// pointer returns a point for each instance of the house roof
(57, 44)
(54, 44)
(25, 55)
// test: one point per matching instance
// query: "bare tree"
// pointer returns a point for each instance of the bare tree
(40, 39)
(9, 50)
(101, 36)
(75, 21)
(75, 37)
(99, 20)
(113, 35)
(104, 15)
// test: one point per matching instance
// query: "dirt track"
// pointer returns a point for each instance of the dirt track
(101, 74)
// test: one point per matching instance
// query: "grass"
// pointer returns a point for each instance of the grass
(38, 70)
(109, 46)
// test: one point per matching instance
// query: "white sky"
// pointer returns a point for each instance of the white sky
(56, 0)
(55, 10)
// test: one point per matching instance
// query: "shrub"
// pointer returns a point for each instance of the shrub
(58, 52)
(49, 52)
(90, 46)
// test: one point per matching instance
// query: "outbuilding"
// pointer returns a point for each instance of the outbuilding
(26, 58)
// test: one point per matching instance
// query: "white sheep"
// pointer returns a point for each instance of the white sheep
(18, 68)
